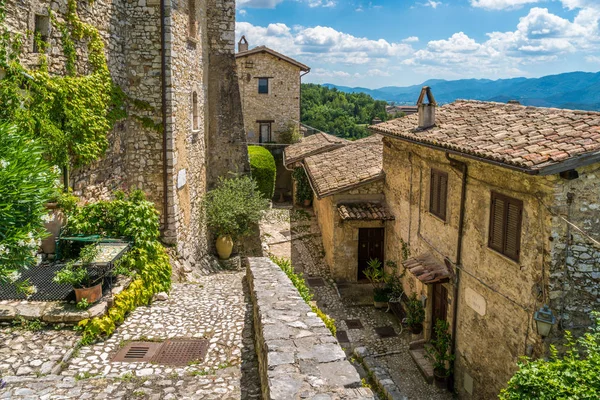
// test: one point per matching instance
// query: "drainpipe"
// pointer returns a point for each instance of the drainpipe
(459, 245)
(163, 84)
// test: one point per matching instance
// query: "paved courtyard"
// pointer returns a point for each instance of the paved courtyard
(215, 308)
(295, 234)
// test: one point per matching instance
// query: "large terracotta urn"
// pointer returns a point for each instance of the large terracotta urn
(224, 246)
(56, 220)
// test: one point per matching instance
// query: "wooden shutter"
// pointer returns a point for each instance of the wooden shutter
(505, 225)
(438, 193)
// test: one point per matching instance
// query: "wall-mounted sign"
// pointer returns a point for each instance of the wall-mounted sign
(181, 178)
(475, 301)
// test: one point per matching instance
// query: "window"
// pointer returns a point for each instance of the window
(192, 24)
(438, 193)
(265, 132)
(506, 214)
(41, 30)
(263, 85)
(195, 111)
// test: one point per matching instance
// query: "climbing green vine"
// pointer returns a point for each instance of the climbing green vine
(70, 115)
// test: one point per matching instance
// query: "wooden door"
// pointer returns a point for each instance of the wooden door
(370, 246)
(440, 305)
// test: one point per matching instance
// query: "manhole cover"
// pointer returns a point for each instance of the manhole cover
(342, 337)
(181, 352)
(315, 282)
(354, 324)
(385, 332)
(137, 352)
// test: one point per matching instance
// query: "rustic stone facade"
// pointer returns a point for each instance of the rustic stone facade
(340, 238)
(204, 126)
(280, 107)
(496, 295)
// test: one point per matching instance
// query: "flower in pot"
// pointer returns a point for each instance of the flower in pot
(439, 353)
(415, 314)
(232, 210)
(378, 278)
(77, 274)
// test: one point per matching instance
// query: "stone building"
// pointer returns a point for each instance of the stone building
(497, 204)
(347, 180)
(270, 90)
(184, 127)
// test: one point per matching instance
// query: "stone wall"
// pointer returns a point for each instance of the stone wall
(574, 279)
(298, 356)
(281, 105)
(496, 296)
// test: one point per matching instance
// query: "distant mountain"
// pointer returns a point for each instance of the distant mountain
(574, 90)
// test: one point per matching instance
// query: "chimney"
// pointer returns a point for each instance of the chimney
(426, 111)
(242, 45)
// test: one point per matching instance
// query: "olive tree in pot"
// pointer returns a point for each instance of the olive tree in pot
(415, 314)
(439, 353)
(232, 209)
(376, 274)
(77, 273)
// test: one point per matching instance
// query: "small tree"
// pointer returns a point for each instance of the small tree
(291, 135)
(439, 351)
(576, 375)
(234, 206)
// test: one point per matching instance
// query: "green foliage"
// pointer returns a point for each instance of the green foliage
(576, 375)
(304, 291)
(136, 219)
(234, 206)
(264, 170)
(26, 183)
(83, 304)
(291, 135)
(76, 272)
(415, 313)
(303, 189)
(439, 349)
(34, 325)
(72, 114)
(338, 113)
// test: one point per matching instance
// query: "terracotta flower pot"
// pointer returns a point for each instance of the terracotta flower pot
(224, 247)
(441, 379)
(416, 329)
(306, 203)
(91, 294)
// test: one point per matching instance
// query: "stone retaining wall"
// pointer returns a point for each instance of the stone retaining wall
(298, 357)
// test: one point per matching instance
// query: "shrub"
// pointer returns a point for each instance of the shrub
(76, 272)
(291, 135)
(234, 206)
(576, 375)
(415, 313)
(26, 183)
(304, 291)
(136, 219)
(263, 168)
(303, 189)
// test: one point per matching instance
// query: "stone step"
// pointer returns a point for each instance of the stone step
(425, 367)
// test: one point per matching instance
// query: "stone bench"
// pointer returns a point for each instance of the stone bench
(298, 357)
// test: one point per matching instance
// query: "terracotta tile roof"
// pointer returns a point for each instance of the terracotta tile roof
(264, 49)
(314, 144)
(533, 139)
(427, 269)
(355, 164)
(363, 211)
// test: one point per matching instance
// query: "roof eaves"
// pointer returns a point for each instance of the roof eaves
(320, 196)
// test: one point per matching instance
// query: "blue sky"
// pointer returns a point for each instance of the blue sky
(403, 42)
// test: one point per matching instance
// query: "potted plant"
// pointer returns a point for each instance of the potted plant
(77, 274)
(232, 209)
(415, 314)
(439, 353)
(379, 279)
(304, 193)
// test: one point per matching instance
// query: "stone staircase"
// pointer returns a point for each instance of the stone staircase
(418, 353)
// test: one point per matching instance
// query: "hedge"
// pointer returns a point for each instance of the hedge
(263, 169)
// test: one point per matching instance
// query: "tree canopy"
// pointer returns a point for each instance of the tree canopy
(342, 114)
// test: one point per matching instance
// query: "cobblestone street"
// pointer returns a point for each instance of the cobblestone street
(214, 307)
(295, 234)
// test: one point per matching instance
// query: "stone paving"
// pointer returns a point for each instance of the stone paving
(349, 302)
(215, 307)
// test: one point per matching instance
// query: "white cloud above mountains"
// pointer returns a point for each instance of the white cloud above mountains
(501, 4)
(273, 3)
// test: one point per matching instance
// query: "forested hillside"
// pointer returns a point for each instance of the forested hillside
(338, 113)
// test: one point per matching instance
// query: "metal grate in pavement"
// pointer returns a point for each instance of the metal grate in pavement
(315, 282)
(385, 332)
(342, 337)
(354, 324)
(137, 352)
(181, 352)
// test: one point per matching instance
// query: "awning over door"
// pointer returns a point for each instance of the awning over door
(428, 269)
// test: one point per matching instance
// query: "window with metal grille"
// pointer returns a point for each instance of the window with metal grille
(41, 31)
(438, 193)
(263, 85)
(506, 215)
(195, 124)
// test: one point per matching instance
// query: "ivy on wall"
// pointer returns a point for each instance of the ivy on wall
(70, 115)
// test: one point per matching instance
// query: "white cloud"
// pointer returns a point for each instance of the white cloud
(378, 72)
(274, 3)
(243, 12)
(593, 59)
(321, 3)
(411, 39)
(433, 4)
(502, 4)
